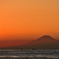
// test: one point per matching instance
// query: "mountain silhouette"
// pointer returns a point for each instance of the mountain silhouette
(44, 42)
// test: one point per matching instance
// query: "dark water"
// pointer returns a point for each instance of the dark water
(29, 54)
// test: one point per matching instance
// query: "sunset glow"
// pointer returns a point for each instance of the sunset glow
(28, 19)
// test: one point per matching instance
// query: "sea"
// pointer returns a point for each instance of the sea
(29, 54)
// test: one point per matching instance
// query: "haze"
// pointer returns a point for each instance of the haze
(28, 19)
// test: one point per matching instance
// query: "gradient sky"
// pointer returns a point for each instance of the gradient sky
(28, 19)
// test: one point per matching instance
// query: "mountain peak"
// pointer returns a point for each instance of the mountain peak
(46, 37)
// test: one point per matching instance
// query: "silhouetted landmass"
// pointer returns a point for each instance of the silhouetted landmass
(44, 42)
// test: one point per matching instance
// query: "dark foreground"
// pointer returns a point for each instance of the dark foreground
(29, 54)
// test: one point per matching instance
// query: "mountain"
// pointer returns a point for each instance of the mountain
(44, 42)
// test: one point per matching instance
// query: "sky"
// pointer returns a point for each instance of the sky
(28, 19)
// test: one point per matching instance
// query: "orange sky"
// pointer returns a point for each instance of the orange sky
(28, 19)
